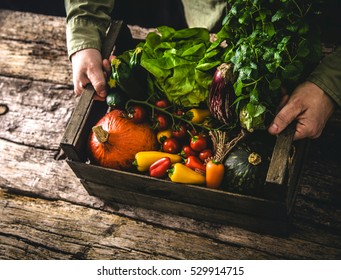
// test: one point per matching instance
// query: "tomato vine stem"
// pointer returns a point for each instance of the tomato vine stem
(171, 115)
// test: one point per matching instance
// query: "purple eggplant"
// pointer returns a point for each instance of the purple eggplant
(221, 95)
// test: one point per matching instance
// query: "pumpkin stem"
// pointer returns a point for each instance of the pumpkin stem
(101, 134)
(254, 158)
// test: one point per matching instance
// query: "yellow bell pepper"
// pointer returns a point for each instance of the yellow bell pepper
(180, 173)
(144, 159)
(198, 115)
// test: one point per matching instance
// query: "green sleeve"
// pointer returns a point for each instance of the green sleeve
(87, 22)
(327, 75)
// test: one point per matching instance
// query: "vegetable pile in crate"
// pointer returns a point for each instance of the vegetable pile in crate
(187, 87)
(190, 114)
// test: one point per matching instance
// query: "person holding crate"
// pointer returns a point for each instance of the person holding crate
(311, 104)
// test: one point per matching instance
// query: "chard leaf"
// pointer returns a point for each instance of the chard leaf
(252, 116)
(207, 66)
(195, 51)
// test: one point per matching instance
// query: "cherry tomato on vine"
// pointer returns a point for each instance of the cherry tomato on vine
(137, 114)
(179, 112)
(162, 103)
(198, 143)
(188, 151)
(171, 145)
(205, 154)
(162, 122)
(180, 131)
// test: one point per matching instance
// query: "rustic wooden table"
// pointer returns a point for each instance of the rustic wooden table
(47, 214)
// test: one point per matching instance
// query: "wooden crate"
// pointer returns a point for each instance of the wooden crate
(271, 214)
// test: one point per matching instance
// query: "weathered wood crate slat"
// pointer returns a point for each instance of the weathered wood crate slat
(271, 214)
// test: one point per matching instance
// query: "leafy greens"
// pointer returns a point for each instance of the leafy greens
(179, 63)
(272, 44)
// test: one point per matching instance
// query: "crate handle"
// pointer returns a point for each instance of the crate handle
(71, 140)
(281, 156)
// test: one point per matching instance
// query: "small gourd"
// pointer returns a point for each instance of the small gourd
(116, 99)
(246, 167)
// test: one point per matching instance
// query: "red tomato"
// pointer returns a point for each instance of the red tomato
(137, 114)
(198, 143)
(180, 131)
(179, 112)
(205, 154)
(162, 122)
(162, 103)
(171, 145)
(188, 151)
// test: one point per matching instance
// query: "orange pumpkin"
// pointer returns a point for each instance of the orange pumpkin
(115, 140)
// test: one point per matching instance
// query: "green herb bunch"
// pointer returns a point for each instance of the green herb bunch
(272, 45)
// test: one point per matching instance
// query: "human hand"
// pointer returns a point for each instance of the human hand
(88, 67)
(310, 106)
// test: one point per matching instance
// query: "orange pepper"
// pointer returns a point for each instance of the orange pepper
(214, 174)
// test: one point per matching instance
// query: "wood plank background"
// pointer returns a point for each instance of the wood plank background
(47, 214)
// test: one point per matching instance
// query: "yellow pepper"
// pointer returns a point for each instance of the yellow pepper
(180, 173)
(198, 115)
(144, 159)
(163, 135)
